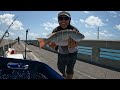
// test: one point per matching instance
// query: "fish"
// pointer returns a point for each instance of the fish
(61, 36)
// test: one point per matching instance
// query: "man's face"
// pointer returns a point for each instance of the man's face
(63, 21)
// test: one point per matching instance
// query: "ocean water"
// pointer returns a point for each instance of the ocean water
(104, 53)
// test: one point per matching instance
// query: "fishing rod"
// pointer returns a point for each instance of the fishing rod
(6, 32)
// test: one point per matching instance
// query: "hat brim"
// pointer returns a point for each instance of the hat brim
(64, 15)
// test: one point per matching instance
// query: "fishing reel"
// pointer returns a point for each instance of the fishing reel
(7, 34)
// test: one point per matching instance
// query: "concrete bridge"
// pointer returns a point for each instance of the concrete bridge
(83, 69)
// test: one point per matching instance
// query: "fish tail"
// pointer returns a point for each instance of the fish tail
(42, 42)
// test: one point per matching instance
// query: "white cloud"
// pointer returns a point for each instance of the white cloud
(87, 34)
(90, 35)
(113, 13)
(105, 33)
(117, 27)
(6, 16)
(49, 25)
(107, 20)
(11, 33)
(94, 21)
(7, 19)
(33, 35)
(45, 34)
(81, 20)
(72, 22)
(88, 26)
(86, 11)
(76, 21)
(17, 25)
(55, 19)
(1, 33)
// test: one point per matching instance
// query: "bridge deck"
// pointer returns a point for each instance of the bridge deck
(82, 70)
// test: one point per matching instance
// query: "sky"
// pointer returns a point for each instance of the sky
(41, 23)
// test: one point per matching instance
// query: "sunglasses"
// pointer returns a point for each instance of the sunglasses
(65, 18)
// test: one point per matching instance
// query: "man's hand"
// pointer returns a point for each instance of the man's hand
(72, 43)
(52, 45)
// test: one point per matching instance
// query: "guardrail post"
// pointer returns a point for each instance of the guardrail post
(95, 53)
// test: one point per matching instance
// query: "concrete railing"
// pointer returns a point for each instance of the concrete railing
(95, 52)
(5, 44)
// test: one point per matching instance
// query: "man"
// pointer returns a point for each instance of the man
(18, 39)
(67, 55)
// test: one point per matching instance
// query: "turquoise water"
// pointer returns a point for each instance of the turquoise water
(104, 53)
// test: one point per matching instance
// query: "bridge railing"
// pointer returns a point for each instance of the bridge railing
(101, 52)
(5, 44)
(106, 53)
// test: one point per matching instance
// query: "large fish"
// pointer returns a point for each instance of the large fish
(61, 36)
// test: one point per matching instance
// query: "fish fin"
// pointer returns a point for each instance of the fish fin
(49, 35)
(41, 42)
